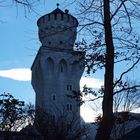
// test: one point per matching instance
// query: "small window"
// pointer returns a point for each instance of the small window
(41, 31)
(48, 17)
(53, 97)
(63, 66)
(68, 17)
(49, 42)
(55, 16)
(69, 107)
(61, 69)
(69, 87)
(61, 42)
(81, 67)
(68, 127)
(62, 16)
(53, 118)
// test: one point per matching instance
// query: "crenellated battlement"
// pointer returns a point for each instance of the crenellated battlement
(56, 18)
(57, 29)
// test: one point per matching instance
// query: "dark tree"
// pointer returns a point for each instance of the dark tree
(61, 127)
(11, 113)
(112, 39)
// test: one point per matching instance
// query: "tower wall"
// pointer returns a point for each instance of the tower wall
(57, 30)
(57, 68)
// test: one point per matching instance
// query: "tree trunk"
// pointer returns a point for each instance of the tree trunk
(107, 122)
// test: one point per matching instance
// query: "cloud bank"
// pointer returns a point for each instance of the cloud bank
(20, 74)
(24, 74)
(91, 82)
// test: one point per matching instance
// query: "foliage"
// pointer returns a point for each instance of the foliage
(11, 112)
(111, 39)
(61, 127)
(29, 111)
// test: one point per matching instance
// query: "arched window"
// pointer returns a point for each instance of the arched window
(50, 65)
(63, 66)
(75, 66)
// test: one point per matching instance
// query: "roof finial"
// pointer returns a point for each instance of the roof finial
(57, 5)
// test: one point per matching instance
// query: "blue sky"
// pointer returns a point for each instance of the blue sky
(19, 44)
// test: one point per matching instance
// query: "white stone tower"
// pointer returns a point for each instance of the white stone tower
(57, 68)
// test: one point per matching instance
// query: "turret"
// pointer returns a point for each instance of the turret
(57, 29)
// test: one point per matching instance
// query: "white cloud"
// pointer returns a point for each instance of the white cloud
(91, 82)
(24, 74)
(20, 74)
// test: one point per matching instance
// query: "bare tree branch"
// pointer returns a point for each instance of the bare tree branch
(121, 76)
(127, 88)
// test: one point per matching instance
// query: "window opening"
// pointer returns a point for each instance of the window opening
(54, 97)
(62, 16)
(68, 127)
(69, 107)
(55, 16)
(53, 118)
(69, 87)
(61, 42)
(48, 17)
(49, 42)
(63, 66)
(61, 69)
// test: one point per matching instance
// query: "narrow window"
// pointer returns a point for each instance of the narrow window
(67, 87)
(53, 118)
(70, 107)
(61, 42)
(68, 127)
(63, 66)
(55, 16)
(70, 87)
(50, 66)
(53, 97)
(48, 17)
(67, 107)
(62, 16)
(81, 66)
(68, 17)
(49, 42)
(61, 69)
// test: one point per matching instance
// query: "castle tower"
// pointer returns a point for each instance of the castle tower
(57, 68)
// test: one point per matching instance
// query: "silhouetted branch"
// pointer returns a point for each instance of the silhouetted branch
(121, 76)
(127, 88)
